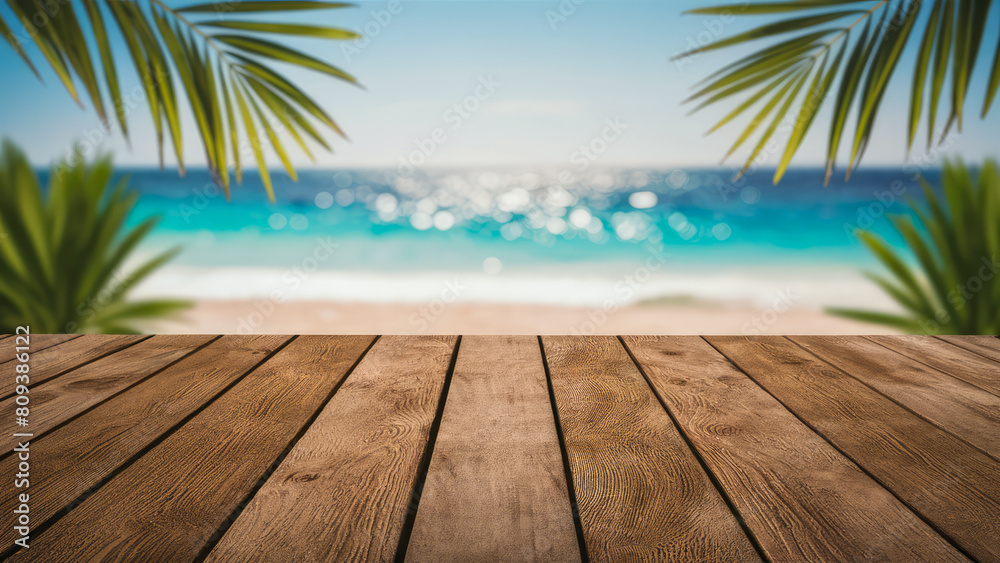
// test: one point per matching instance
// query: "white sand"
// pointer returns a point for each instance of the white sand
(328, 317)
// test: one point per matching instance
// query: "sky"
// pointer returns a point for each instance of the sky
(544, 77)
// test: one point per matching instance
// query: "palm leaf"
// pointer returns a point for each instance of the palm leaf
(886, 57)
(267, 6)
(66, 248)
(169, 46)
(949, 44)
(287, 29)
(953, 288)
(15, 43)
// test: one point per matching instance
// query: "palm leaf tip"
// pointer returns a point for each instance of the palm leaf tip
(950, 39)
(948, 283)
(181, 46)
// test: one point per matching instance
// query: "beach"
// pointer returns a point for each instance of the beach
(330, 317)
(480, 252)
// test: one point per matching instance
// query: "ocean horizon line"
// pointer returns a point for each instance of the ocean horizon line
(281, 171)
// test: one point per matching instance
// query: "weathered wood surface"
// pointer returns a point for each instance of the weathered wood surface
(323, 448)
(641, 493)
(951, 484)
(36, 343)
(800, 497)
(80, 455)
(986, 346)
(495, 489)
(350, 479)
(168, 504)
(62, 356)
(952, 404)
(60, 399)
(958, 362)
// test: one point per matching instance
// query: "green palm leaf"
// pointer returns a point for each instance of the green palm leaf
(949, 46)
(66, 247)
(217, 72)
(953, 287)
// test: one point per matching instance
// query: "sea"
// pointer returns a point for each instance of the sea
(531, 235)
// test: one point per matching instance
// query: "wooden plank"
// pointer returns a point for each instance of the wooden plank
(60, 399)
(59, 359)
(986, 346)
(943, 356)
(343, 491)
(171, 501)
(642, 494)
(953, 485)
(80, 455)
(954, 405)
(801, 498)
(495, 488)
(36, 343)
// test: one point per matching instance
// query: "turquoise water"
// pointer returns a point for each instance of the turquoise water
(454, 219)
(520, 236)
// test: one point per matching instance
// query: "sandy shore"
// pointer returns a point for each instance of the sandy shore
(325, 317)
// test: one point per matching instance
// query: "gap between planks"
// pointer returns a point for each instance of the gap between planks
(953, 487)
(495, 488)
(801, 498)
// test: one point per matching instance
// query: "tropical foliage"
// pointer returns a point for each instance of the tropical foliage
(849, 50)
(954, 287)
(62, 249)
(216, 52)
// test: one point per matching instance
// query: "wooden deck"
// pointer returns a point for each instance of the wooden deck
(315, 448)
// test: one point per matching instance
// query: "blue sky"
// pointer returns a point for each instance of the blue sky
(556, 83)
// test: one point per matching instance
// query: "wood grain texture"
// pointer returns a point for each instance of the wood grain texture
(801, 498)
(948, 358)
(343, 491)
(169, 503)
(36, 343)
(986, 346)
(60, 399)
(79, 455)
(642, 494)
(953, 405)
(59, 359)
(953, 485)
(495, 488)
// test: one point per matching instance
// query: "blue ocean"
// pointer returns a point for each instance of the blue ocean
(525, 235)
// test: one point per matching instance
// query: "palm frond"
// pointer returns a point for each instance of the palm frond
(63, 249)
(219, 63)
(869, 37)
(953, 287)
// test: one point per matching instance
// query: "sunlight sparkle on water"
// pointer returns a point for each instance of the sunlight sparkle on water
(277, 221)
(642, 200)
(323, 200)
